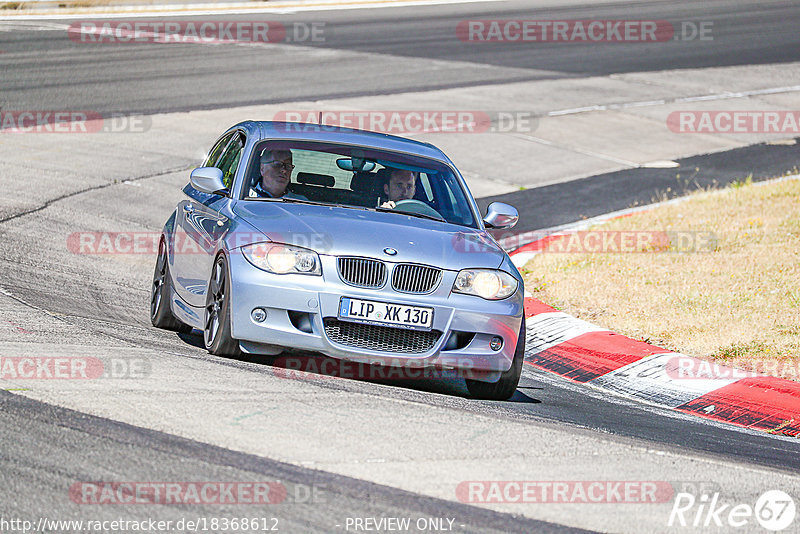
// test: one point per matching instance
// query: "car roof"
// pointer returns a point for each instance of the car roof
(337, 134)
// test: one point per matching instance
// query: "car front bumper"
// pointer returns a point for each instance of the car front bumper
(298, 307)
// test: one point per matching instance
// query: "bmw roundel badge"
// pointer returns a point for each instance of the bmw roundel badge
(390, 251)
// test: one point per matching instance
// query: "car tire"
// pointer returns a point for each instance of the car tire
(160, 293)
(504, 388)
(217, 315)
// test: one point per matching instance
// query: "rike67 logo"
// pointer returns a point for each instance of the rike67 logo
(774, 510)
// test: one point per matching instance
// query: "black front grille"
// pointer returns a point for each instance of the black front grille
(362, 272)
(380, 338)
(410, 278)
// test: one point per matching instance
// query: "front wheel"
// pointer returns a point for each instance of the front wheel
(160, 293)
(217, 316)
(504, 388)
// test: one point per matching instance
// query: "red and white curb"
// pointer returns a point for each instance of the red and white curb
(585, 353)
(582, 352)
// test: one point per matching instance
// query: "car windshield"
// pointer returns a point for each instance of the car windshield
(357, 177)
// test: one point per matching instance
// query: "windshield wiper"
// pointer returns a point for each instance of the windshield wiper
(421, 215)
(295, 200)
(310, 202)
(334, 205)
(306, 201)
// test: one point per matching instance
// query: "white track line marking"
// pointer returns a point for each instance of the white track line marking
(41, 26)
(612, 159)
(727, 95)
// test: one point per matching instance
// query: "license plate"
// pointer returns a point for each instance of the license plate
(385, 314)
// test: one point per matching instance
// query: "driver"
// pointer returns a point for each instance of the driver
(402, 185)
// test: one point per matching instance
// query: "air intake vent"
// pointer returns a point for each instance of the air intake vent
(410, 278)
(362, 272)
(380, 338)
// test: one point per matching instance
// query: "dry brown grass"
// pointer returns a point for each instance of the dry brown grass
(738, 304)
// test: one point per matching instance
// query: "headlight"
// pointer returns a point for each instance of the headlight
(282, 259)
(485, 283)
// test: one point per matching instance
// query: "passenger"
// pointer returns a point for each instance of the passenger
(402, 185)
(275, 167)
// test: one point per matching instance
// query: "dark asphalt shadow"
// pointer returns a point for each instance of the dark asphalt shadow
(568, 202)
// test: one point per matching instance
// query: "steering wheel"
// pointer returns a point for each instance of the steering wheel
(417, 206)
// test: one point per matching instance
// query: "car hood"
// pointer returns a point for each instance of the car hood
(339, 231)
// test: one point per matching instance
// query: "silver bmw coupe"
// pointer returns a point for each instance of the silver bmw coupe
(362, 246)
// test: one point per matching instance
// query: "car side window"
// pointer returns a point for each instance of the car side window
(427, 192)
(229, 161)
(217, 150)
(449, 202)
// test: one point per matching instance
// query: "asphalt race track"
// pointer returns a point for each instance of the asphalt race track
(341, 448)
(380, 52)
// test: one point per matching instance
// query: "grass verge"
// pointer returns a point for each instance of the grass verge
(716, 276)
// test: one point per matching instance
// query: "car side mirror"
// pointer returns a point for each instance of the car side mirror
(500, 216)
(208, 180)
